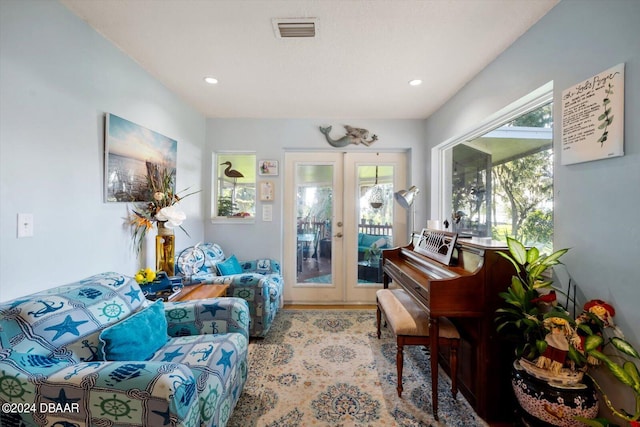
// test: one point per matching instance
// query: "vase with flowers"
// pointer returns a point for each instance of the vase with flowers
(160, 211)
(551, 356)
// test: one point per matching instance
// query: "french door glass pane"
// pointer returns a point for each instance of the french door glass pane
(314, 207)
(375, 208)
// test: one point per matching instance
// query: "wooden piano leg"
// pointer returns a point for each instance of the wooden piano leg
(399, 364)
(378, 317)
(434, 333)
(453, 362)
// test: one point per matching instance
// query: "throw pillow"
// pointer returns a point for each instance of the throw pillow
(229, 266)
(380, 243)
(138, 336)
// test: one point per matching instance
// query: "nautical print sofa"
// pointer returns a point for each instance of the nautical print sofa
(259, 282)
(97, 353)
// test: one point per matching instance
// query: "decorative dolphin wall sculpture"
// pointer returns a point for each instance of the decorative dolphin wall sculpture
(353, 136)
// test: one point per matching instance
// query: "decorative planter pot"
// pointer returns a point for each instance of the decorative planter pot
(553, 404)
(165, 249)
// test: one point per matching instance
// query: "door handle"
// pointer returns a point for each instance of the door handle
(339, 224)
(337, 235)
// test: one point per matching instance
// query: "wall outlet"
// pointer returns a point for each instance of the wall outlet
(25, 225)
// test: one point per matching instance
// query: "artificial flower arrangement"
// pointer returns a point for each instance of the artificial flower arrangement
(145, 276)
(160, 207)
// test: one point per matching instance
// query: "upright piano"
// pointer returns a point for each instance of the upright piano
(460, 279)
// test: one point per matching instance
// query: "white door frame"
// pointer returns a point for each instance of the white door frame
(345, 288)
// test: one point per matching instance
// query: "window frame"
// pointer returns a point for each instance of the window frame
(215, 168)
(536, 99)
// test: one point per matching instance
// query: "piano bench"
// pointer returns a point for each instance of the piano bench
(410, 324)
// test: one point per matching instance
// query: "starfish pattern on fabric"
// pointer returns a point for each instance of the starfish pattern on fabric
(170, 355)
(133, 294)
(62, 398)
(225, 360)
(68, 326)
(212, 308)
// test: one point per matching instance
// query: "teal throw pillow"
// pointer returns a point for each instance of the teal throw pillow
(229, 266)
(138, 336)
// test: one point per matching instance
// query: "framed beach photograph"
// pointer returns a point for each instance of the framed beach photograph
(268, 167)
(131, 151)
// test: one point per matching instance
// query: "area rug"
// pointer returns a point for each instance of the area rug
(328, 368)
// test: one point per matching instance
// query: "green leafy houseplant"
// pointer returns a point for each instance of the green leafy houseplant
(529, 300)
(372, 254)
(625, 371)
(548, 341)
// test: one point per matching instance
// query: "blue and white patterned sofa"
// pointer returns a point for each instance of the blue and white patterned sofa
(84, 354)
(259, 282)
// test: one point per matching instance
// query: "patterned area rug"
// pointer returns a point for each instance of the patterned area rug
(328, 368)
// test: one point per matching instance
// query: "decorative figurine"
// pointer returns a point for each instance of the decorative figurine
(353, 136)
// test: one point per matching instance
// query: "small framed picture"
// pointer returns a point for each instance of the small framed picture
(268, 167)
(267, 192)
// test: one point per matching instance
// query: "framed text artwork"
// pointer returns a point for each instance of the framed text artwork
(593, 118)
(268, 167)
(129, 151)
(267, 192)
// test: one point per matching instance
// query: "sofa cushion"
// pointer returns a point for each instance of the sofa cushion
(229, 266)
(190, 261)
(367, 240)
(138, 336)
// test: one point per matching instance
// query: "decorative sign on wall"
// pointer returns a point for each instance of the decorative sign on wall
(593, 118)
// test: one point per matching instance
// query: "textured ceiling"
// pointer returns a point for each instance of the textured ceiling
(358, 66)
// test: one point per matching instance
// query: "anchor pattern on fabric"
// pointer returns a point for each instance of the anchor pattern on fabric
(204, 352)
(49, 307)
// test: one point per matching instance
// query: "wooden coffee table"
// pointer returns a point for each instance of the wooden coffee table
(201, 291)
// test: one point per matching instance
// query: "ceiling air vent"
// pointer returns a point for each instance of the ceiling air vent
(295, 27)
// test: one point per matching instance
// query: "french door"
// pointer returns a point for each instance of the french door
(339, 213)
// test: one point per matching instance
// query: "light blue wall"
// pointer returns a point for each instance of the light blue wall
(270, 138)
(597, 204)
(58, 78)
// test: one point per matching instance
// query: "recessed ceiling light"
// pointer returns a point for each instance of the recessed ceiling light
(415, 82)
(211, 80)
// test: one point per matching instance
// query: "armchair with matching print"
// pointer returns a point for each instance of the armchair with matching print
(96, 352)
(259, 282)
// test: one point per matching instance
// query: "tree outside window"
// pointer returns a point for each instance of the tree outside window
(502, 181)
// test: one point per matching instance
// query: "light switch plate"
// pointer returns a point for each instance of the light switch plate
(25, 225)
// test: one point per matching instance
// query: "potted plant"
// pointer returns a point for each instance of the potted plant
(624, 370)
(372, 255)
(549, 365)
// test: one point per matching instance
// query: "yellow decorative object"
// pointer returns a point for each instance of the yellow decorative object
(165, 249)
(145, 275)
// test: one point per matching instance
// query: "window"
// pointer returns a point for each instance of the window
(498, 182)
(375, 183)
(235, 185)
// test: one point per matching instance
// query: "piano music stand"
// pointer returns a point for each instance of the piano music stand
(437, 244)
